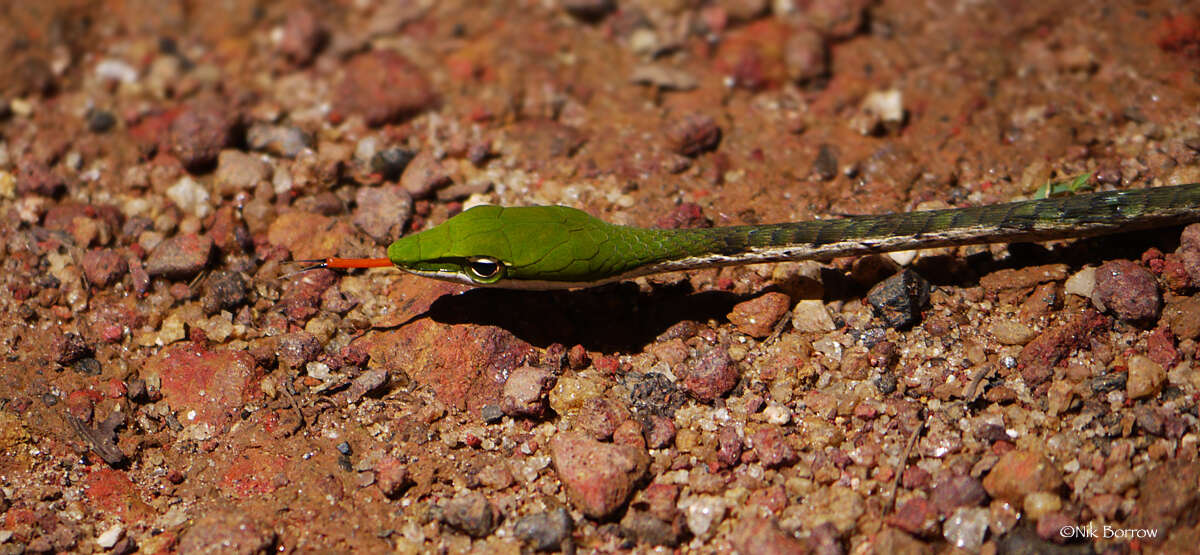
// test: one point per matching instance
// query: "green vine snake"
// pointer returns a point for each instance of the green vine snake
(557, 247)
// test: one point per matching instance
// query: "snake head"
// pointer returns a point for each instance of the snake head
(469, 248)
(531, 247)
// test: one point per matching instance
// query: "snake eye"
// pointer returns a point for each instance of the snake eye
(485, 270)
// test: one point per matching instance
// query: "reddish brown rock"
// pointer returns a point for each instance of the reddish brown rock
(302, 36)
(423, 175)
(37, 178)
(772, 447)
(302, 294)
(1022, 278)
(891, 540)
(600, 416)
(309, 236)
(598, 477)
(113, 492)
(1039, 356)
(1019, 473)
(1128, 290)
(103, 267)
(661, 500)
(254, 472)
(471, 512)
(630, 433)
(957, 491)
(1166, 495)
(180, 257)
(757, 317)
(1182, 315)
(383, 87)
(729, 450)
(1160, 347)
(659, 431)
(382, 212)
(709, 374)
(916, 516)
(239, 171)
(229, 531)
(525, 390)
(199, 133)
(805, 55)
(1050, 527)
(66, 348)
(391, 476)
(763, 537)
(464, 364)
(693, 134)
(296, 349)
(204, 386)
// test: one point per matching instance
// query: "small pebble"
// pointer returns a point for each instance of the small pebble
(1146, 377)
(280, 140)
(390, 163)
(965, 528)
(693, 134)
(958, 491)
(764, 537)
(180, 257)
(598, 477)
(100, 121)
(199, 133)
(382, 86)
(757, 317)
(810, 315)
(648, 529)
(1010, 332)
(805, 55)
(915, 516)
(297, 349)
(238, 171)
(589, 10)
(545, 531)
(491, 413)
(1019, 473)
(110, 537)
(709, 374)
(880, 111)
(663, 77)
(525, 392)
(471, 512)
(772, 448)
(1128, 290)
(1041, 503)
(1050, 527)
(37, 178)
(302, 36)
(1182, 315)
(103, 267)
(423, 175)
(68, 348)
(391, 476)
(900, 298)
(235, 531)
(223, 290)
(382, 212)
(190, 196)
(704, 512)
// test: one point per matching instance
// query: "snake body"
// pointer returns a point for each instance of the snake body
(557, 247)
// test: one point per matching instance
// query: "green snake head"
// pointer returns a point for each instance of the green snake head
(534, 247)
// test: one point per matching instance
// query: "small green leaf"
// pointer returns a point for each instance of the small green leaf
(1062, 188)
